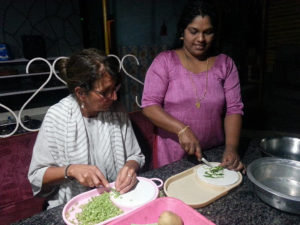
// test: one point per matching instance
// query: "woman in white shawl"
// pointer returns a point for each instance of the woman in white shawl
(86, 139)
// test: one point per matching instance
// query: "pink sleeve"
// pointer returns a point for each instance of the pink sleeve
(234, 104)
(156, 82)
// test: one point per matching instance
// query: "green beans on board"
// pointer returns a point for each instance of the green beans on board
(214, 172)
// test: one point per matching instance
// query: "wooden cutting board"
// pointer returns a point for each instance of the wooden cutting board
(189, 188)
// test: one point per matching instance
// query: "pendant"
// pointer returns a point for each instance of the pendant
(197, 105)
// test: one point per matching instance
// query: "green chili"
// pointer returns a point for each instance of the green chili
(214, 172)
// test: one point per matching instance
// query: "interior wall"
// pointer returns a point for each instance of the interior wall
(58, 22)
(91, 16)
(138, 23)
(282, 30)
(281, 81)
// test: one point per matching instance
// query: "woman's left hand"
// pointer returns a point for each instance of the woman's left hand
(231, 161)
(126, 178)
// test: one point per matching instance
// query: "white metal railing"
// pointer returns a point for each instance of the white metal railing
(51, 72)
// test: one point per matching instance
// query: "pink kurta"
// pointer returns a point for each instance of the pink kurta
(169, 85)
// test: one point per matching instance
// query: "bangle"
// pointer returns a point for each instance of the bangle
(182, 130)
(66, 172)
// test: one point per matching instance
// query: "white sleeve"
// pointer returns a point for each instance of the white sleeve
(41, 160)
(133, 149)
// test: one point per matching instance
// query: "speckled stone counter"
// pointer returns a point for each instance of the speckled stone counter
(239, 206)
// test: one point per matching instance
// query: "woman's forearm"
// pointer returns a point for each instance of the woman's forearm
(54, 175)
(133, 164)
(233, 125)
(162, 119)
(187, 139)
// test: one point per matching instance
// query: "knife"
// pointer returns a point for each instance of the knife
(206, 162)
(194, 160)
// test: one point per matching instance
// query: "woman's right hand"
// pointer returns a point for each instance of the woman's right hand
(190, 144)
(87, 175)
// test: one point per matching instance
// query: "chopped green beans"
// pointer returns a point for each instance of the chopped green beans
(99, 209)
(115, 192)
(215, 172)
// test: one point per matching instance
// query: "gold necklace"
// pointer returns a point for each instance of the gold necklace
(198, 100)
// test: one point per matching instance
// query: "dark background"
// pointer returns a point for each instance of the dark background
(262, 36)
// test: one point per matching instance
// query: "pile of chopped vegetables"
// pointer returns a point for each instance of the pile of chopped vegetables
(214, 172)
(99, 209)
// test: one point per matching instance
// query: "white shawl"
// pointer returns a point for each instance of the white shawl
(68, 143)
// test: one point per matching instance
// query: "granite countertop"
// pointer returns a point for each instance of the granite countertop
(239, 206)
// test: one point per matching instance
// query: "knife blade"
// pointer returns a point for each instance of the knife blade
(206, 162)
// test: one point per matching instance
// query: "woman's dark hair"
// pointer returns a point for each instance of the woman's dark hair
(191, 10)
(83, 68)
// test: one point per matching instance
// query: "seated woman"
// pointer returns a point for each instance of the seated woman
(86, 139)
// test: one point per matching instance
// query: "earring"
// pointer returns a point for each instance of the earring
(82, 105)
(181, 38)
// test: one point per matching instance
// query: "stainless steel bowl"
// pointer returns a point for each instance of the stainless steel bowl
(283, 147)
(276, 181)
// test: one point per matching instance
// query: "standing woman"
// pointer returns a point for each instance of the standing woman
(193, 94)
(86, 139)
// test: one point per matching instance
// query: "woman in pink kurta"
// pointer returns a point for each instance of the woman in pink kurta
(168, 84)
(194, 98)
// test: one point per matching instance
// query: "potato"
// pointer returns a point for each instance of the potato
(169, 218)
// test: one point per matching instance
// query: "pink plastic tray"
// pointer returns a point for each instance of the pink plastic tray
(149, 213)
(73, 206)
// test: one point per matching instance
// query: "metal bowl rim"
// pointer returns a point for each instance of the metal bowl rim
(278, 138)
(264, 187)
(271, 153)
